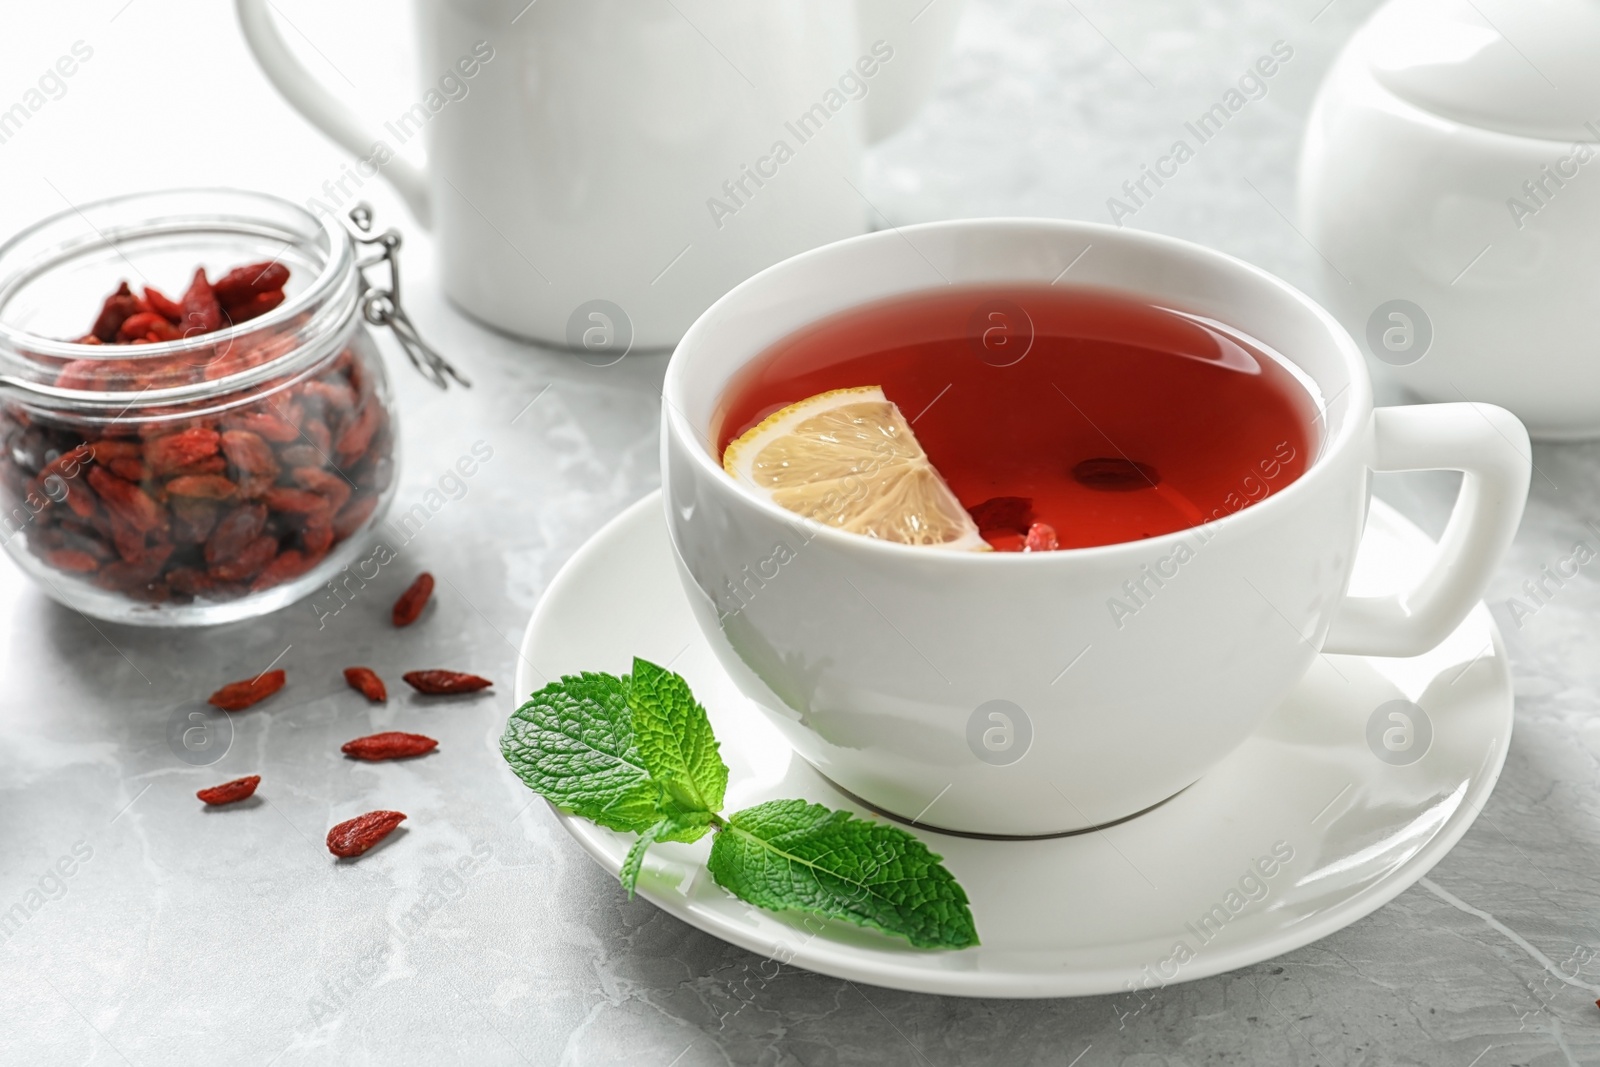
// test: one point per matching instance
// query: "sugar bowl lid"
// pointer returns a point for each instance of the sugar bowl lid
(1515, 66)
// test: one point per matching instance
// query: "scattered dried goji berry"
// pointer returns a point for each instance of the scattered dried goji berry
(355, 836)
(389, 745)
(442, 682)
(236, 696)
(409, 607)
(365, 681)
(231, 792)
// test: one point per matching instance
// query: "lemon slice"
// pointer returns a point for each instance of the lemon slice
(847, 458)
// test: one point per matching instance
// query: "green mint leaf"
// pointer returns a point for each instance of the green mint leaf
(788, 854)
(675, 739)
(573, 744)
(682, 826)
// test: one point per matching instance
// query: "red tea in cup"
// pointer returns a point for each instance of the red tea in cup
(1107, 417)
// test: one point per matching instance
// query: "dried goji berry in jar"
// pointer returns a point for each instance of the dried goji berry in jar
(241, 283)
(192, 520)
(125, 500)
(302, 456)
(248, 562)
(354, 836)
(353, 442)
(190, 582)
(174, 451)
(202, 486)
(234, 531)
(249, 453)
(131, 470)
(295, 501)
(354, 516)
(316, 537)
(113, 313)
(209, 465)
(270, 427)
(201, 312)
(162, 305)
(135, 326)
(253, 307)
(326, 483)
(71, 559)
(288, 565)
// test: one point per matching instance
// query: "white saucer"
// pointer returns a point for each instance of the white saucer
(1102, 912)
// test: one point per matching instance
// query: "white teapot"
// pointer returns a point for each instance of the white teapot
(600, 171)
(1450, 180)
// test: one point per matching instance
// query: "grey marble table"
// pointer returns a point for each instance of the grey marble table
(187, 937)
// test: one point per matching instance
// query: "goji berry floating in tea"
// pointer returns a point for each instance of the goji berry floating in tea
(197, 426)
(413, 600)
(365, 681)
(230, 792)
(390, 745)
(236, 696)
(436, 683)
(355, 836)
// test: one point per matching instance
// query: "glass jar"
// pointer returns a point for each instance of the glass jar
(209, 478)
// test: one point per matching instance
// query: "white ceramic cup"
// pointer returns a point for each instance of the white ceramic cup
(995, 693)
(599, 171)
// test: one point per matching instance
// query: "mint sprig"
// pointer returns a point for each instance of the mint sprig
(675, 739)
(573, 744)
(637, 754)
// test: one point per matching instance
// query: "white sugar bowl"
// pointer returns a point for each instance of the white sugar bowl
(1450, 181)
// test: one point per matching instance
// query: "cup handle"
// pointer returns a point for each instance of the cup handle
(1490, 447)
(322, 109)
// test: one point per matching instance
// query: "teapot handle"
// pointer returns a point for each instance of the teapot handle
(919, 32)
(322, 109)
